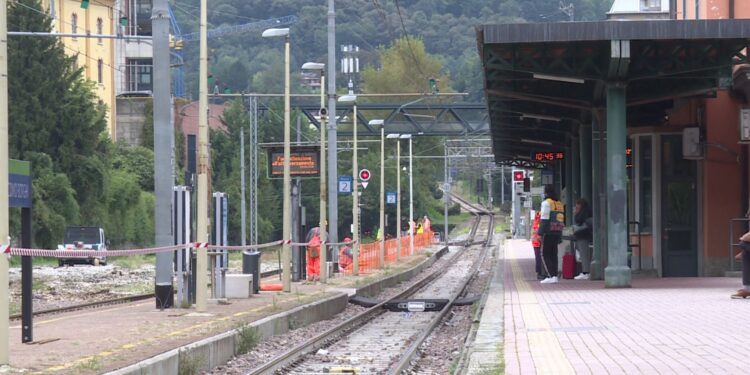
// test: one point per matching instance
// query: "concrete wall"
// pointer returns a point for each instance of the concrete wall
(218, 350)
(131, 115)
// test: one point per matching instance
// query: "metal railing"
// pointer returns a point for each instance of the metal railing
(733, 237)
(631, 245)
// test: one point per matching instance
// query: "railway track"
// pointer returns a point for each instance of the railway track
(106, 302)
(381, 340)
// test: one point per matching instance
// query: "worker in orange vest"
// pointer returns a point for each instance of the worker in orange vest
(427, 224)
(313, 254)
(345, 256)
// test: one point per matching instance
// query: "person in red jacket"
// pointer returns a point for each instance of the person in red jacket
(536, 243)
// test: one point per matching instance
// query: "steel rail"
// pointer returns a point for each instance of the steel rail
(111, 301)
(405, 362)
(333, 334)
(292, 355)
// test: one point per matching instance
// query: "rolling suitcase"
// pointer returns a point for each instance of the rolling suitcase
(568, 266)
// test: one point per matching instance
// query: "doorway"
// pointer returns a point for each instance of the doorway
(678, 205)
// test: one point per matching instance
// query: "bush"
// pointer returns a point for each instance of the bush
(455, 209)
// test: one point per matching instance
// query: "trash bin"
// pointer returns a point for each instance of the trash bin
(251, 264)
(164, 295)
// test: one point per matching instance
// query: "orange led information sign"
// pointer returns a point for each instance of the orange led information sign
(548, 156)
(304, 162)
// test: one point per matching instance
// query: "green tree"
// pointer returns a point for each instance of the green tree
(57, 123)
(405, 66)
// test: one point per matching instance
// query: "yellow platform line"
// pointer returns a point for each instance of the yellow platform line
(544, 346)
(129, 346)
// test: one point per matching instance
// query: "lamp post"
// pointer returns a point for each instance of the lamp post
(323, 113)
(396, 136)
(4, 210)
(201, 262)
(411, 196)
(381, 124)
(355, 184)
(286, 220)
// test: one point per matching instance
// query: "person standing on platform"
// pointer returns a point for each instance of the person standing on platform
(551, 225)
(427, 224)
(536, 243)
(313, 254)
(583, 235)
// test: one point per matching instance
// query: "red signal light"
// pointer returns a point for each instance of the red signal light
(518, 176)
(364, 175)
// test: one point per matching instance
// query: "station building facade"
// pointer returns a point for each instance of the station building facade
(648, 106)
(686, 195)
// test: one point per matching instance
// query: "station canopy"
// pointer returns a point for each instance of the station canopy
(543, 80)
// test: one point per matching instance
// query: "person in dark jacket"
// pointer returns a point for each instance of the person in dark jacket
(584, 235)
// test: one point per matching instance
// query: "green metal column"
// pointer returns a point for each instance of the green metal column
(597, 270)
(584, 149)
(569, 193)
(576, 168)
(617, 274)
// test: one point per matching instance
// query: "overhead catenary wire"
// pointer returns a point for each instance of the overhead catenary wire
(89, 57)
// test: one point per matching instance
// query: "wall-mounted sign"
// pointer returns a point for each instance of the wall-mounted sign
(304, 161)
(745, 125)
(548, 177)
(548, 156)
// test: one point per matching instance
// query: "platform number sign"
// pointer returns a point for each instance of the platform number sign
(390, 197)
(345, 184)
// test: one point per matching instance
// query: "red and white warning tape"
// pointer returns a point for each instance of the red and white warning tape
(91, 253)
(73, 253)
(246, 247)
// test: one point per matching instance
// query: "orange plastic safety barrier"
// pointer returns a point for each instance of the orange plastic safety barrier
(271, 287)
(369, 254)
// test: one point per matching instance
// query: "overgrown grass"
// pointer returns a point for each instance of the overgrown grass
(268, 256)
(91, 364)
(247, 339)
(38, 285)
(133, 262)
(190, 363)
(15, 261)
(14, 308)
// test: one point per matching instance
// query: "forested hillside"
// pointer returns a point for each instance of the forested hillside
(246, 62)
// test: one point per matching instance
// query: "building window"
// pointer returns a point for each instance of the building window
(139, 75)
(99, 29)
(651, 5)
(100, 70)
(75, 63)
(74, 24)
(645, 155)
(142, 11)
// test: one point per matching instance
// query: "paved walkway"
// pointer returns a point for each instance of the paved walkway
(99, 340)
(659, 326)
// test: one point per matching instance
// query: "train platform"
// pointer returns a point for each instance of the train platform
(115, 337)
(659, 326)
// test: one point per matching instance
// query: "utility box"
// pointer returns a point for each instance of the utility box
(691, 143)
(239, 286)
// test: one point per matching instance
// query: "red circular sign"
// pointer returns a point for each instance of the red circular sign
(364, 175)
(518, 176)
